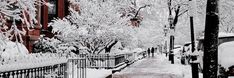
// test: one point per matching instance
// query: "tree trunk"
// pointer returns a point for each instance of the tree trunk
(108, 48)
(211, 40)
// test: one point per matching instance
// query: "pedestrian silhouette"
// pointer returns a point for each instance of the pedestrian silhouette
(152, 51)
(148, 52)
(156, 50)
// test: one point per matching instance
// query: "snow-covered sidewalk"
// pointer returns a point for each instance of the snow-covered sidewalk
(156, 67)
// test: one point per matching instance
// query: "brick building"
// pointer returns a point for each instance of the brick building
(44, 15)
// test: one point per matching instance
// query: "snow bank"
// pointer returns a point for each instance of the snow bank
(177, 68)
(31, 61)
(13, 49)
(126, 50)
(226, 53)
(187, 72)
(137, 50)
(98, 73)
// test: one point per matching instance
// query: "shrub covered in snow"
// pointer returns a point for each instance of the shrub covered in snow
(45, 45)
(12, 49)
(53, 45)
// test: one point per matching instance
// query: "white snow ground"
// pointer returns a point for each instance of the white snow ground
(98, 73)
(13, 49)
(157, 67)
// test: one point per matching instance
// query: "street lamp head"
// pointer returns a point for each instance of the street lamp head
(165, 29)
(170, 18)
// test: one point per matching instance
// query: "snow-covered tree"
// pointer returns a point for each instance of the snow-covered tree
(226, 16)
(96, 28)
(17, 16)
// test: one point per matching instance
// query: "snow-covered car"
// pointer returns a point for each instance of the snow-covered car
(225, 53)
(177, 51)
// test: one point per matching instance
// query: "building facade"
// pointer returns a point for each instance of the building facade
(45, 14)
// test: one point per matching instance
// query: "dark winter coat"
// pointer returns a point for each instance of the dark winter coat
(152, 50)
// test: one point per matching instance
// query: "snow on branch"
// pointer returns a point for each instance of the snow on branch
(23, 11)
(96, 27)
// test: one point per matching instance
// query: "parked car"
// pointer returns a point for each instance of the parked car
(177, 51)
(185, 52)
(225, 54)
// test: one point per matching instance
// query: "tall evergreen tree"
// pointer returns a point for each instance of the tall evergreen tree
(211, 40)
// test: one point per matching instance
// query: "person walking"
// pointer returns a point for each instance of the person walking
(152, 51)
(148, 52)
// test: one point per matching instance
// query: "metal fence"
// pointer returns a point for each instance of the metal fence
(105, 61)
(39, 72)
(109, 61)
(75, 67)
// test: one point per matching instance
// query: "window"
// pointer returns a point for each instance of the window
(53, 10)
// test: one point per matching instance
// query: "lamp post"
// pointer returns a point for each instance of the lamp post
(172, 31)
(165, 36)
(194, 55)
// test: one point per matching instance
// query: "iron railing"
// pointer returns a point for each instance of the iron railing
(75, 67)
(38, 72)
(104, 61)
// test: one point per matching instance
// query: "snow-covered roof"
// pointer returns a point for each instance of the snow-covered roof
(223, 34)
(225, 54)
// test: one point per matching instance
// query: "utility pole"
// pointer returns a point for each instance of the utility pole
(211, 40)
(172, 30)
(194, 65)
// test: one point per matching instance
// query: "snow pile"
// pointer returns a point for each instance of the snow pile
(138, 50)
(98, 73)
(126, 50)
(187, 72)
(13, 49)
(31, 61)
(226, 54)
(90, 73)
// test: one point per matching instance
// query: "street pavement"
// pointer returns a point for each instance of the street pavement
(152, 67)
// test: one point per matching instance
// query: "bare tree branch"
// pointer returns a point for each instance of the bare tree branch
(140, 9)
(182, 13)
